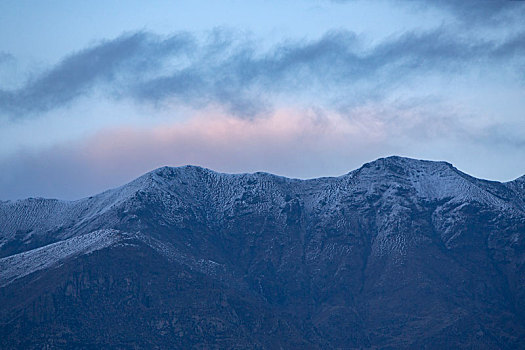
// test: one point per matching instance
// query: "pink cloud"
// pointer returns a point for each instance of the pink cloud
(228, 143)
(291, 142)
(297, 143)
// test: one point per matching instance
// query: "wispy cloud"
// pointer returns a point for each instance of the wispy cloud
(291, 142)
(478, 12)
(481, 12)
(232, 70)
(221, 142)
(122, 58)
(6, 57)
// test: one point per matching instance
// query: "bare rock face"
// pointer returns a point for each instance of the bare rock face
(400, 253)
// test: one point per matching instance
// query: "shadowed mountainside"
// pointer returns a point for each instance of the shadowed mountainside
(400, 253)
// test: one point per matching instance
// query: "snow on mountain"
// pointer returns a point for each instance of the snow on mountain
(22, 264)
(432, 253)
(39, 221)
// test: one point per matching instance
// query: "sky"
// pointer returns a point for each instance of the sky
(94, 94)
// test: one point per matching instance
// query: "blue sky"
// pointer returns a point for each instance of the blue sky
(93, 94)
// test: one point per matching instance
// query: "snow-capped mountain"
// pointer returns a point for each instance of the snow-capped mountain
(400, 253)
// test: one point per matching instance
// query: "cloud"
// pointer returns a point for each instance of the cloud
(471, 12)
(291, 142)
(230, 70)
(6, 57)
(481, 12)
(77, 74)
(288, 142)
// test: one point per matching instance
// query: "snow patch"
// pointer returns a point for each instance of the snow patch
(19, 265)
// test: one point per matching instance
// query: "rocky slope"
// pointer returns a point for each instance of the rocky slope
(400, 253)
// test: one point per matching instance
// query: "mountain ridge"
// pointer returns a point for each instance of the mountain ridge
(407, 160)
(398, 253)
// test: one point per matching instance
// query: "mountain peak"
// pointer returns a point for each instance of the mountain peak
(408, 168)
(170, 172)
(407, 162)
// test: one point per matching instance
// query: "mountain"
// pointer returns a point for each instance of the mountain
(401, 253)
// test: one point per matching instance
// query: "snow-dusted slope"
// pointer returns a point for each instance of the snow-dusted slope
(400, 253)
(22, 264)
(428, 180)
(38, 221)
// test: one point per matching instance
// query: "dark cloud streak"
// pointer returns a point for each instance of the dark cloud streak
(77, 74)
(229, 71)
(481, 12)
(470, 12)
(6, 57)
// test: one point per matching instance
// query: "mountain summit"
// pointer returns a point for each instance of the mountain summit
(400, 253)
